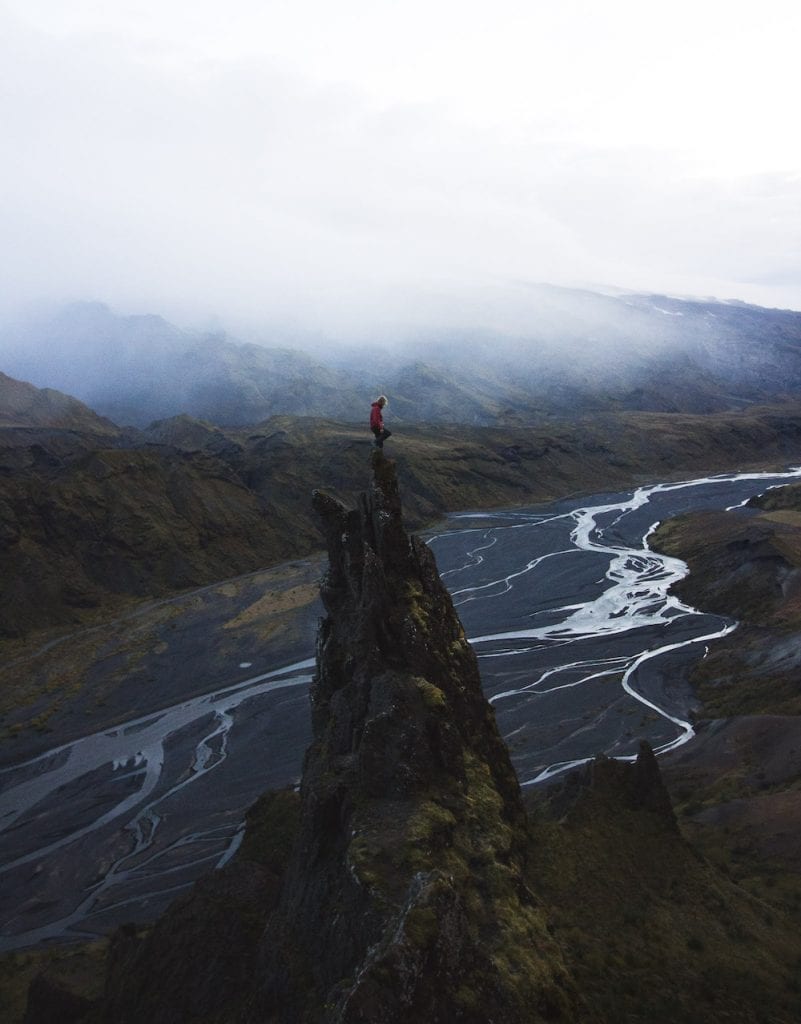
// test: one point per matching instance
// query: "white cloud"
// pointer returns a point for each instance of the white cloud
(328, 162)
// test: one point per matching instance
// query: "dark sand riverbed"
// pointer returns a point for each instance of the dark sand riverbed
(174, 719)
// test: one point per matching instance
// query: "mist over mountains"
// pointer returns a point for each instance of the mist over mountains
(563, 350)
(604, 904)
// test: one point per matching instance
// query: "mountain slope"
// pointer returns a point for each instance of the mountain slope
(562, 351)
(737, 783)
(22, 405)
(136, 369)
(650, 930)
(92, 518)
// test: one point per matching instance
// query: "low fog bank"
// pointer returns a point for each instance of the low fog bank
(509, 351)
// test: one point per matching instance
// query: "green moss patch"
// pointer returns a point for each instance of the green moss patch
(271, 827)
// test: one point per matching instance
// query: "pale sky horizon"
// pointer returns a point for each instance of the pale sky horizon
(341, 166)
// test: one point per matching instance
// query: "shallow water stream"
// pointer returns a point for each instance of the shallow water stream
(581, 649)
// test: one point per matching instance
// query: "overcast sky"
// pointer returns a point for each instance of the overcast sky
(345, 163)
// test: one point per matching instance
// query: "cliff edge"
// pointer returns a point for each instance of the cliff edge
(405, 898)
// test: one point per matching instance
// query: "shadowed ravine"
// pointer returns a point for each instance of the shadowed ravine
(581, 650)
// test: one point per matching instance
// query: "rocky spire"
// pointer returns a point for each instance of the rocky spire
(405, 897)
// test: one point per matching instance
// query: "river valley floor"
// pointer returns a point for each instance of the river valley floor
(137, 746)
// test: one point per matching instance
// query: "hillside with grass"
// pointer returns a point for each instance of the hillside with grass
(95, 517)
(738, 784)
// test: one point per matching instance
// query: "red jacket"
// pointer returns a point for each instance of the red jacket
(376, 417)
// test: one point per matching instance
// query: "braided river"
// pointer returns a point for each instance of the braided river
(582, 651)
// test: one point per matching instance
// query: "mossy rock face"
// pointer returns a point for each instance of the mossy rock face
(271, 828)
(784, 498)
(52, 984)
(650, 929)
(412, 823)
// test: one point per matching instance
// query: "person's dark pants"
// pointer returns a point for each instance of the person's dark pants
(381, 436)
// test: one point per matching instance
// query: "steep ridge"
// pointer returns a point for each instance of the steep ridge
(22, 406)
(409, 869)
(651, 930)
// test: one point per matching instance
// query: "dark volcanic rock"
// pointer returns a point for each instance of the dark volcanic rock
(50, 1001)
(199, 958)
(617, 785)
(405, 899)
(198, 961)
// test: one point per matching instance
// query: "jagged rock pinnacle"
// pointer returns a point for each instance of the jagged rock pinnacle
(389, 615)
(405, 899)
(617, 785)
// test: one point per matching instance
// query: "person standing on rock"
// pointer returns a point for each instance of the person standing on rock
(377, 421)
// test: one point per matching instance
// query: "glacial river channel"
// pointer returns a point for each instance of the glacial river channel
(582, 650)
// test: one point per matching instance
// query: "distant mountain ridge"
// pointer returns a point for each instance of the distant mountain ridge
(136, 369)
(570, 351)
(22, 405)
(92, 517)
